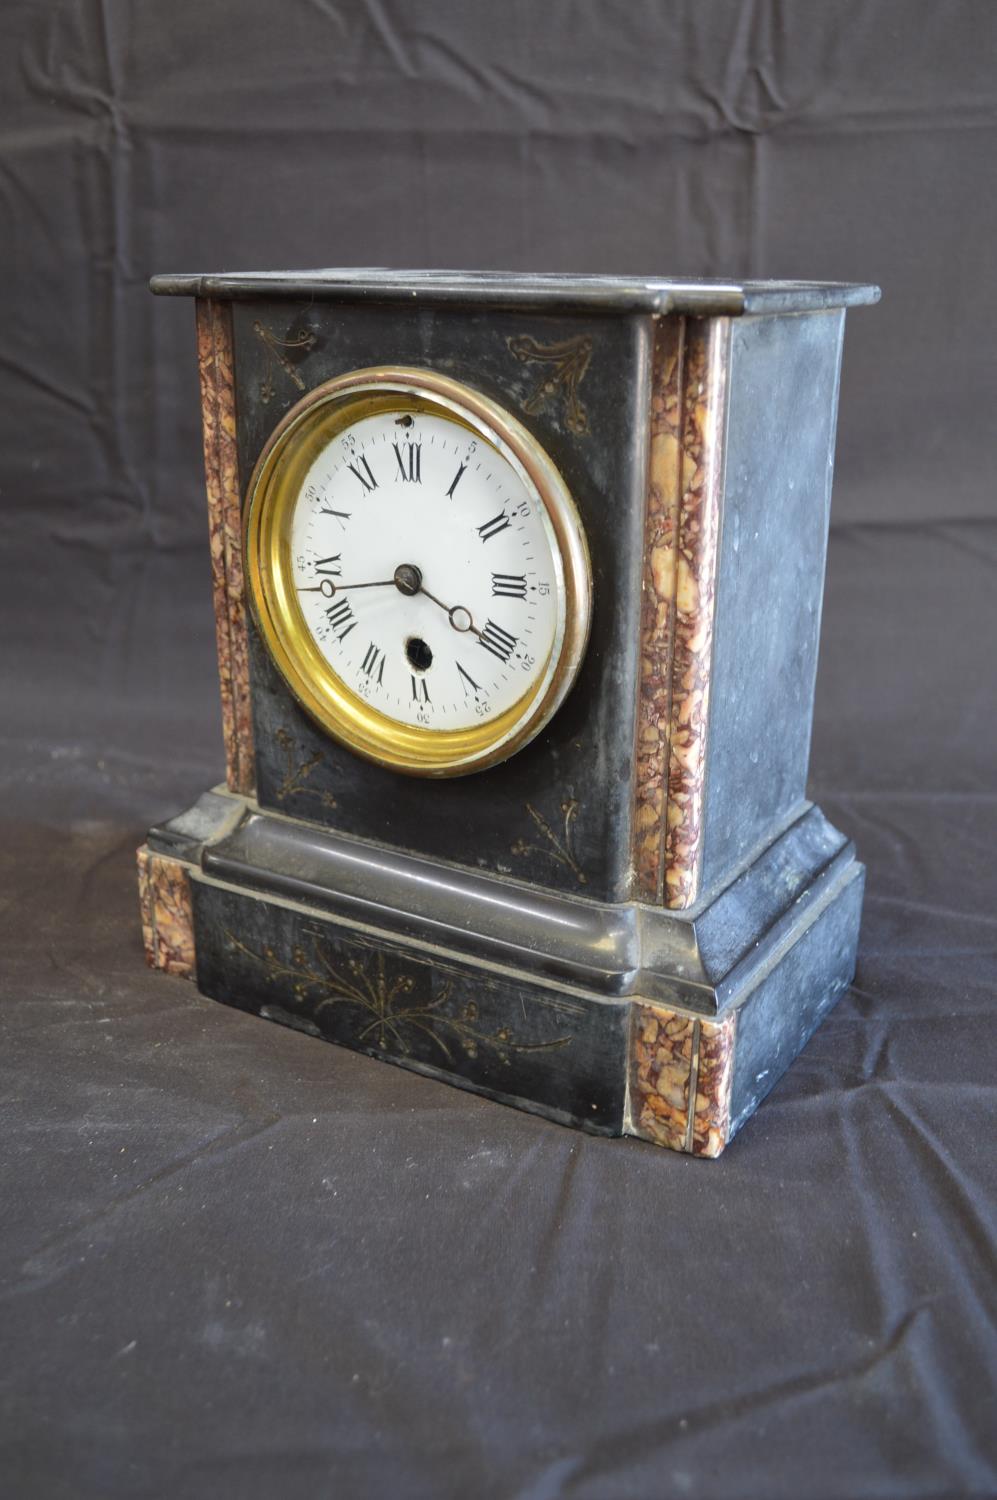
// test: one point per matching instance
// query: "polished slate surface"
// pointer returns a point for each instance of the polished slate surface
(701, 959)
(526, 1044)
(612, 293)
(778, 464)
(572, 788)
(451, 972)
(511, 1033)
(584, 756)
(794, 992)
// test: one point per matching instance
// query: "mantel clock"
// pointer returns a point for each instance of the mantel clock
(517, 586)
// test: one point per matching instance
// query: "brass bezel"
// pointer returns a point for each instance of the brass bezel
(273, 491)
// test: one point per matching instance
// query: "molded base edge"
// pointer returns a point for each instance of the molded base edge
(681, 1076)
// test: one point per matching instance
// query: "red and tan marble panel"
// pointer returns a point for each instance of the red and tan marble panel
(666, 466)
(681, 1072)
(167, 920)
(215, 362)
(695, 584)
(681, 530)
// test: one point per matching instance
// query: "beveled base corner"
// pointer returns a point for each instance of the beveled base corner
(694, 1079)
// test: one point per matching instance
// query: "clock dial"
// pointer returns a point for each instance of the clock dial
(426, 570)
(418, 570)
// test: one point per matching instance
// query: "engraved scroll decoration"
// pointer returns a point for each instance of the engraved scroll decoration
(297, 768)
(553, 844)
(563, 367)
(391, 1009)
(277, 350)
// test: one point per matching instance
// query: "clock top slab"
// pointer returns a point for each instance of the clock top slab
(650, 294)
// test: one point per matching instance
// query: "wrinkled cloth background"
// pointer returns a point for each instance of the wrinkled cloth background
(238, 1264)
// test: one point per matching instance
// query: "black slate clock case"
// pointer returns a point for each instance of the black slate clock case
(493, 929)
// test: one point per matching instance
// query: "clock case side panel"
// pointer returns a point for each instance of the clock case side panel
(778, 454)
(558, 814)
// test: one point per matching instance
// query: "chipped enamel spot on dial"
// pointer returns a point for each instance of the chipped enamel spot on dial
(425, 566)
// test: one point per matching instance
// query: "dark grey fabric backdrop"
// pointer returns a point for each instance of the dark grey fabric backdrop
(237, 1264)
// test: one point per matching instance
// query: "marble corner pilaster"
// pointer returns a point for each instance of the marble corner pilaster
(167, 914)
(681, 1073)
(681, 529)
(218, 415)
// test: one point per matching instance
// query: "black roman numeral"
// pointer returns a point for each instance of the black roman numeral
(498, 641)
(373, 663)
(340, 617)
(409, 462)
(329, 566)
(508, 586)
(456, 481)
(420, 692)
(364, 473)
(494, 526)
(341, 515)
(468, 681)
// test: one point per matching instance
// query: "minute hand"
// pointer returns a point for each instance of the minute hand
(328, 588)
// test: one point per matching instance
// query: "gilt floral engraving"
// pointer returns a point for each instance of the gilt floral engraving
(563, 368)
(396, 1006)
(297, 768)
(556, 846)
(275, 347)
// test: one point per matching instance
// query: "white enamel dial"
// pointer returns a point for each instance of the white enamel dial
(417, 570)
(427, 569)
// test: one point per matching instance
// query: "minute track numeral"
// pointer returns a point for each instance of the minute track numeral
(508, 585)
(363, 471)
(409, 460)
(341, 618)
(373, 664)
(494, 526)
(498, 641)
